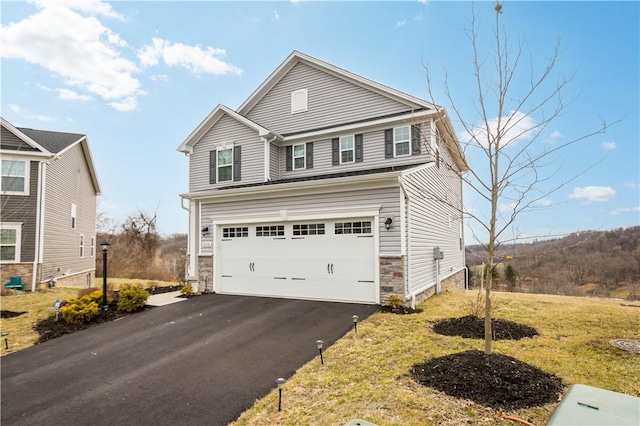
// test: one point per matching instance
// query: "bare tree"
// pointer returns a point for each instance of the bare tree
(516, 169)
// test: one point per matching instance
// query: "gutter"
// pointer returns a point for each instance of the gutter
(37, 255)
(408, 294)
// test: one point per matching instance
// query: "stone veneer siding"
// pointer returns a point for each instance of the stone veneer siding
(23, 270)
(452, 283)
(392, 277)
(86, 279)
(205, 274)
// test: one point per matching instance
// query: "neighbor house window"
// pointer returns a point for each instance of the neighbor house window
(346, 149)
(74, 211)
(15, 177)
(225, 165)
(353, 227)
(299, 156)
(10, 237)
(402, 141)
(81, 245)
(92, 247)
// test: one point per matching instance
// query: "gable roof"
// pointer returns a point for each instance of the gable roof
(218, 112)
(296, 57)
(36, 148)
(54, 142)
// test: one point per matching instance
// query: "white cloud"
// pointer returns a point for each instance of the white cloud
(125, 105)
(276, 15)
(70, 95)
(193, 58)
(632, 185)
(514, 126)
(608, 146)
(160, 77)
(620, 210)
(555, 135)
(506, 207)
(545, 202)
(66, 38)
(593, 193)
(26, 113)
(400, 24)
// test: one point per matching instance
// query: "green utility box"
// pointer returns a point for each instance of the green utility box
(586, 405)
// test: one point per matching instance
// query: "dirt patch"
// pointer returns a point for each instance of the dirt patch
(10, 314)
(400, 310)
(472, 327)
(495, 381)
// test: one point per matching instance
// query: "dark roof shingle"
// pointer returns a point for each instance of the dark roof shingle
(53, 142)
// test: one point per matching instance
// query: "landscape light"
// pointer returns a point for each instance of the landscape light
(355, 319)
(280, 382)
(319, 345)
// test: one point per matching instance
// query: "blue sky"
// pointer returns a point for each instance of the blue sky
(138, 77)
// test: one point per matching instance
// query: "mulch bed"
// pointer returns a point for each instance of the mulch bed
(161, 290)
(495, 381)
(472, 327)
(401, 310)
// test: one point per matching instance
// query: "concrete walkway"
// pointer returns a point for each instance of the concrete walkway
(165, 298)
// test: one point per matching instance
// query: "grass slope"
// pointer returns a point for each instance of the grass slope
(366, 375)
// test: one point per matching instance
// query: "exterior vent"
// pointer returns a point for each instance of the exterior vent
(299, 101)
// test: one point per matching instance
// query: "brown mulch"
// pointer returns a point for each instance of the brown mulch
(496, 381)
(400, 310)
(472, 327)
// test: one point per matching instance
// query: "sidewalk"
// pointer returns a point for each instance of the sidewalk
(165, 299)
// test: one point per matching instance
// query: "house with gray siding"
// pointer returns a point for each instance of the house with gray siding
(48, 192)
(325, 185)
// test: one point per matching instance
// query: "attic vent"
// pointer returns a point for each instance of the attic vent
(299, 101)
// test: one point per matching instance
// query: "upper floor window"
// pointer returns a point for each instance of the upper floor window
(401, 141)
(73, 216)
(225, 165)
(15, 177)
(299, 156)
(10, 238)
(347, 149)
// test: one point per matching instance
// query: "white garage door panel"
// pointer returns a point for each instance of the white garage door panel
(325, 267)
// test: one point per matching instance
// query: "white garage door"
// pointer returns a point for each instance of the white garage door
(324, 260)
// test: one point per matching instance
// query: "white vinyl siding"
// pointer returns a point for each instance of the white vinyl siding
(15, 176)
(225, 130)
(10, 239)
(334, 101)
(274, 163)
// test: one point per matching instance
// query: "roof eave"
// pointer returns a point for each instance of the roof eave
(26, 139)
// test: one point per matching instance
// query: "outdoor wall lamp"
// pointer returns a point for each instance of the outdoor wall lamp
(204, 230)
(319, 345)
(387, 223)
(280, 382)
(355, 319)
(105, 248)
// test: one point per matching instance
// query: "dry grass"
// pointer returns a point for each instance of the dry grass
(366, 375)
(39, 305)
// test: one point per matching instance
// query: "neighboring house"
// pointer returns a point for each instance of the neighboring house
(325, 185)
(48, 219)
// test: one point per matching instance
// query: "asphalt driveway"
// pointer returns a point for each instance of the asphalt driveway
(202, 361)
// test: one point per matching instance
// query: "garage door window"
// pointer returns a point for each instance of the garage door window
(235, 232)
(270, 231)
(353, 227)
(308, 229)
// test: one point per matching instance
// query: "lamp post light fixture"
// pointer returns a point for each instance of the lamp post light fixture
(280, 382)
(355, 319)
(319, 345)
(105, 247)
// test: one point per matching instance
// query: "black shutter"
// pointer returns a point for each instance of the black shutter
(309, 155)
(212, 166)
(359, 148)
(416, 139)
(388, 143)
(237, 156)
(335, 151)
(289, 158)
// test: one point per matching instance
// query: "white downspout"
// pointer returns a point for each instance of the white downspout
(408, 294)
(267, 157)
(37, 255)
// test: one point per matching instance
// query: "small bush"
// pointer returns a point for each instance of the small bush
(86, 291)
(132, 298)
(186, 290)
(476, 308)
(79, 310)
(395, 301)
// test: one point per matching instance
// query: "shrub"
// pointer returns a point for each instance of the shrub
(476, 308)
(186, 290)
(79, 310)
(132, 298)
(395, 301)
(87, 291)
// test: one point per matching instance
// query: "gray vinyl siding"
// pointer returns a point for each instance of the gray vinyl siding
(429, 222)
(373, 155)
(68, 181)
(274, 162)
(227, 131)
(11, 141)
(331, 101)
(388, 198)
(22, 209)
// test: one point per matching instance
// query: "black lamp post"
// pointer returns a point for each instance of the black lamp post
(105, 248)
(280, 382)
(355, 319)
(319, 344)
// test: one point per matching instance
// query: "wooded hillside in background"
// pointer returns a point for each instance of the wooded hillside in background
(594, 263)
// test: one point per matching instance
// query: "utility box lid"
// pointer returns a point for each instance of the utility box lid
(586, 405)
